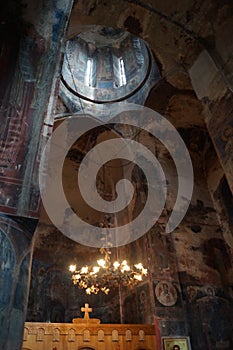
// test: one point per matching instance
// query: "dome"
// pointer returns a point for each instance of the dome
(106, 65)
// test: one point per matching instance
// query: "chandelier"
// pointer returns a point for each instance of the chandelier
(106, 275)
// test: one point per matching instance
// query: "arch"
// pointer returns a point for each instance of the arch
(7, 266)
(7, 262)
(56, 334)
(115, 335)
(40, 334)
(128, 335)
(141, 16)
(20, 301)
(86, 335)
(71, 335)
(100, 335)
(141, 335)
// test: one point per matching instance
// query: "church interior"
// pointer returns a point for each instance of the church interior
(67, 61)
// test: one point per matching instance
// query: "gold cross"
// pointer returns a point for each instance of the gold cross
(86, 309)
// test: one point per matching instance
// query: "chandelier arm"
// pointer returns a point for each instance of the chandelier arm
(106, 276)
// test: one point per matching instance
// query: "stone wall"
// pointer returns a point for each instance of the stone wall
(54, 298)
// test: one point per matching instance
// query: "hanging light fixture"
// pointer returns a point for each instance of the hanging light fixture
(106, 275)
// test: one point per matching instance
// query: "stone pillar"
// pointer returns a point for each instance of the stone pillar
(212, 88)
(31, 62)
(32, 35)
(15, 265)
(212, 83)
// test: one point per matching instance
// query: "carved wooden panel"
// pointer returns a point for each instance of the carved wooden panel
(100, 335)
(56, 335)
(115, 335)
(40, 334)
(68, 336)
(71, 335)
(128, 335)
(86, 335)
(141, 335)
